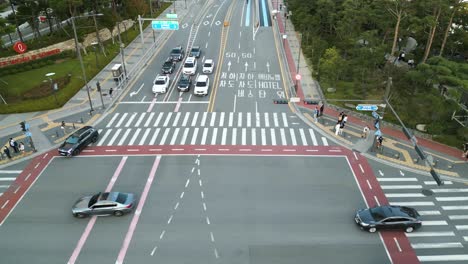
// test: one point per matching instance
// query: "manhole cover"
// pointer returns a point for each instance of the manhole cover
(427, 192)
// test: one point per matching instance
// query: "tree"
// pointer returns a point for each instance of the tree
(398, 9)
(331, 65)
(456, 5)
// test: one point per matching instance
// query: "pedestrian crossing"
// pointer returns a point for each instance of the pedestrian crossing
(200, 119)
(210, 136)
(7, 177)
(444, 212)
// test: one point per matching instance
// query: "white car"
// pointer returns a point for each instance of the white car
(201, 85)
(161, 84)
(190, 66)
(208, 66)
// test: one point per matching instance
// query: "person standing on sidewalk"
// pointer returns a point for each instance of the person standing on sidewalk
(14, 145)
(365, 132)
(21, 147)
(322, 106)
(316, 113)
(6, 150)
(111, 90)
(337, 128)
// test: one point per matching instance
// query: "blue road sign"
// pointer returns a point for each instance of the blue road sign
(366, 107)
(165, 25)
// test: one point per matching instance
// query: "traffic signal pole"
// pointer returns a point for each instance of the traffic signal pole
(25, 128)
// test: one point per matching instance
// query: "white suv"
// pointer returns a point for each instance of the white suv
(190, 66)
(201, 85)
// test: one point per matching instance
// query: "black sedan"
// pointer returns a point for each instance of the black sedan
(388, 218)
(78, 141)
(177, 53)
(168, 66)
(184, 83)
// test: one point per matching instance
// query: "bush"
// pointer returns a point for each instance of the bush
(450, 81)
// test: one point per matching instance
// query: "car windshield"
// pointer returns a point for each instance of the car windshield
(189, 65)
(409, 211)
(195, 49)
(93, 199)
(167, 64)
(175, 51)
(121, 198)
(201, 84)
(72, 140)
(208, 64)
(377, 213)
(159, 82)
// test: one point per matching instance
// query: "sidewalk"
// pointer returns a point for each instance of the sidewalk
(397, 148)
(46, 126)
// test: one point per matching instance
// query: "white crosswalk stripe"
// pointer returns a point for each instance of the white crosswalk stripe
(273, 137)
(239, 119)
(145, 135)
(194, 120)
(111, 142)
(135, 136)
(184, 137)
(158, 119)
(203, 121)
(168, 119)
(303, 137)
(312, 136)
(221, 119)
(186, 118)
(231, 117)
(283, 137)
(130, 120)
(104, 137)
(140, 119)
(205, 134)
(234, 136)
(263, 135)
(249, 119)
(121, 120)
(112, 120)
(254, 137)
(194, 136)
(214, 135)
(122, 140)
(267, 120)
(275, 119)
(176, 119)
(285, 120)
(293, 137)
(223, 139)
(148, 121)
(174, 136)
(164, 137)
(155, 135)
(213, 119)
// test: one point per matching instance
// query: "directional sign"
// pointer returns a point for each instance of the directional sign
(165, 25)
(365, 107)
(171, 16)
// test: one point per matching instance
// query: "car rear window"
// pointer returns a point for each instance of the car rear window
(160, 82)
(201, 84)
(72, 140)
(208, 64)
(188, 65)
(121, 198)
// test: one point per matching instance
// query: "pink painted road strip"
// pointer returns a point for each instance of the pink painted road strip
(136, 216)
(92, 221)
(178, 105)
(150, 108)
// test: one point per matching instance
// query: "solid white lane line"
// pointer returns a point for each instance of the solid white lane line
(195, 117)
(8, 179)
(128, 130)
(435, 183)
(223, 137)
(400, 195)
(140, 119)
(213, 119)
(273, 136)
(104, 137)
(158, 119)
(285, 120)
(149, 119)
(130, 120)
(204, 135)
(231, 114)
(167, 120)
(442, 258)
(413, 203)
(437, 245)
(164, 137)
(239, 119)
(184, 136)
(267, 120)
(434, 223)
(263, 136)
(234, 136)
(254, 137)
(461, 227)
(325, 141)
(121, 120)
(451, 199)
(257, 119)
(203, 121)
(396, 179)
(221, 119)
(283, 137)
(430, 234)
(293, 136)
(455, 207)
(186, 118)
(275, 119)
(112, 120)
(176, 119)
(433, 212)
(244, 136)
(194, 136)
(303, 137)
(153, 138)
(213, 137)
(134, 136)
(10, 171)
(174, 136)
(145, 135)
(449, 190)
(458, 217)
(249, 119)
(395, 187)
(312, 136)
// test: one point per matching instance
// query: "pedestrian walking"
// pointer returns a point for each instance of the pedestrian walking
(14, 145)
(322, 106)
(337, 128)
(111, 90)
(21, 147)
(340, 117)
(380, 140)
(365, 132)
(345, 118)
(6, 150)
(342, 124)
(316, 113)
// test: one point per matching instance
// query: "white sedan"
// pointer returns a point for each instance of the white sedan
(161, 84)
(208, 66)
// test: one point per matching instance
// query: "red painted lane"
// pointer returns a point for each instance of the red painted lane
(23, 182)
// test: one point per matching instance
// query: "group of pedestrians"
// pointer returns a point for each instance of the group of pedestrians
(342, 119)
(18, 148)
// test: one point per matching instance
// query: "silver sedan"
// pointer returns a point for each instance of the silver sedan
(105, 203)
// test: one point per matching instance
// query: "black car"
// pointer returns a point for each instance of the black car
(388, 217)
(78, 141)
(184, 83)
(195, 52)
(177, 53)
(168, 66)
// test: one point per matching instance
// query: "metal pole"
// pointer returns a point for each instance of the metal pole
(151, 8)
(122, 51)
(31, 143)
(141, 33)
(299, 54)
(102, 101)
(53, 90)
(81, 62)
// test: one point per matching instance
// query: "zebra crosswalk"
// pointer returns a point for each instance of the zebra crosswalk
(7, 177)
(444, 231)
(199, 119)
(209, 136)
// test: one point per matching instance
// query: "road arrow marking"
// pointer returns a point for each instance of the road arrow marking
(268, 67)
(229, 66)
(401, 173)
(246, 65)
(134, 93)
(381, 173)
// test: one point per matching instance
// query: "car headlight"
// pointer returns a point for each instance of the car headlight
(70, 150)
(364, 224)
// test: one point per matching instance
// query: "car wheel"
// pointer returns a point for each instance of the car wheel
(76, 152)
(95, 138)
(118, 213)
(79, 215)
(409, 229)
(372, 229)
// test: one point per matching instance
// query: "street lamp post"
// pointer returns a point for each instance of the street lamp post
(48, 75)
(122, 55)
(299, 54)
(95, 52)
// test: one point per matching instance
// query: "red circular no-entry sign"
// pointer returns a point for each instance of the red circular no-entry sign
(298, 77)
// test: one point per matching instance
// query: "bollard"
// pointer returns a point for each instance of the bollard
(82, 122)
(74, 126)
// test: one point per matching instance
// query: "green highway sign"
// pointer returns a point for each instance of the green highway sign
(171, 16)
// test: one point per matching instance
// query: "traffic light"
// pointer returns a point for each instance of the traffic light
(23, 126)
(98, 86)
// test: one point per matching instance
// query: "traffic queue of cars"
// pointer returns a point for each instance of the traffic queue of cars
(162, 81)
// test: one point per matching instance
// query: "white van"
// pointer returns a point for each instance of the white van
(201, 85)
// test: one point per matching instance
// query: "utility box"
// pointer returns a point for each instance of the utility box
(117, 72)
